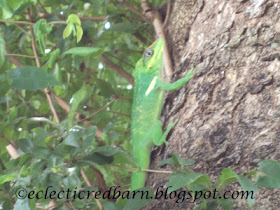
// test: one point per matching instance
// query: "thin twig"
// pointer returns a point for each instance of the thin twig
(140, 37)
(51, 105)
(13, 59)
(42, 6)
(83, 173)
(85, 177)
(18, 26)
(121, 60)
(33, 42)
(17, 22)
(20, 55)
(46, 91)
(99, 110)
(144, 170)
(6, 139)
(57, 22)
(117, 69)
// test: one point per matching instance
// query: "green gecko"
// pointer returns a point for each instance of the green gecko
(146, 109)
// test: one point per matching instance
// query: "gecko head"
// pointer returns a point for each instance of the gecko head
(151, 60)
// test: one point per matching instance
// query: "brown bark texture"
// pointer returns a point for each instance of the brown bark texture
(229, 112)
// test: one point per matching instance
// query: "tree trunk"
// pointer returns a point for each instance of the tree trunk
(229, 112)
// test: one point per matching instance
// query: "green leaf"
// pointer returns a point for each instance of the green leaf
(212, 205)
(103, 155)
(23, 7)
(96, 158)
(269, 174)
(226, 204)
(5, 10)
(72, 182)
(22, 204)
(109, 206)
(177, 181)
(108, 150)
(41, 29)
(168, 161)
(77, 98)
(79, 33)
(26, 145)
(249, 189)
(202, 182)
(41, 152)
(68, 30)
(72, 138)
(30, 78)
(176, 160)
(158, 3)
(105, 88)
(85, 51)
(227, 177)
(138, 198)
(7, 177)
(7, 204)
(53, 56)
(73, 18)
(187, 162)
(79, 204)
(89, 138)
(179, 160)
(207, 205)
(2, 48)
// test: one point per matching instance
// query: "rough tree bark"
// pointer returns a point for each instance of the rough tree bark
(229, 112)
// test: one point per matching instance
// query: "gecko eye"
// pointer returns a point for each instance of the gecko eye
(148, 53)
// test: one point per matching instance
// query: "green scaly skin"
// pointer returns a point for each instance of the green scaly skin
(146, 109)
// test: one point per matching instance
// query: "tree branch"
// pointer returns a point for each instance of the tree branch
(155, 18)
(20, 55)
(12, 151)
(83, 173)
(117, 69)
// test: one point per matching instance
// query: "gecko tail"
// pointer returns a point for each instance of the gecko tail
(138, 180)
(141, 155)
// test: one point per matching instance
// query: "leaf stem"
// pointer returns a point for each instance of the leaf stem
(99, 110)
(57, 22)
(16, 22)
(20, 55)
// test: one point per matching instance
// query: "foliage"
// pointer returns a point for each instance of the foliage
(57, 45)
(69, 36)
